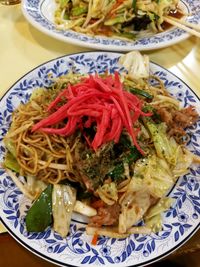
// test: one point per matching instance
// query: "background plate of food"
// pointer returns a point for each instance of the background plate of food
(100, 171)
(113, 25)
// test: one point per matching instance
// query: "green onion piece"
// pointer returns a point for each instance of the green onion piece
(134, 6)
(141, 92)
(77, 11)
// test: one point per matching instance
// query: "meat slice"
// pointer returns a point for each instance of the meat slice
(178, 120)
(186, 117)
(165, 115)
(107, 215)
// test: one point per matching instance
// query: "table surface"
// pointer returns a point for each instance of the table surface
(22, 48)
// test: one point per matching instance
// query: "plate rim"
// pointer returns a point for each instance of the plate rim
(55, 261)
(62, 264)
(86, 52)
(98, 46)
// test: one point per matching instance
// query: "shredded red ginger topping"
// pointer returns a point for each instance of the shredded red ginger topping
(104, 103)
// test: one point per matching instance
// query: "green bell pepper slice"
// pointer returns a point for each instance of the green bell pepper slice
(39, 216)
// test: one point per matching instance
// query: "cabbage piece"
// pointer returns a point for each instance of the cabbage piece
(153, 218)
(108, 193)
(153, 177)
(62, 3)
(162, 205)
(154, 223)
(175, 157)
(136, 184)
(157, 175)
(34, 186)
(11, 163)
(154, 174)
(84, 209)
(115, 20)
(63, 201)
(183, 162)
(136, 64)
(133, 207)
(21, 185)
(10, 144)
(97, 7)
(165, 147)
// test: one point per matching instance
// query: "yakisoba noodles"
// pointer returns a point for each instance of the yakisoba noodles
(48, 157)
(111, 146)
(36, 151)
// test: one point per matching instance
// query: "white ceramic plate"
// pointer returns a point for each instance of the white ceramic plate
(40, 13)
(179, 223)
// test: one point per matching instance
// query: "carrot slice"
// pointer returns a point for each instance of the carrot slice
(94, 239)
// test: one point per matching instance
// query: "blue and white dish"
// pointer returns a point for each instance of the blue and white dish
(180, 222)
(40, 13)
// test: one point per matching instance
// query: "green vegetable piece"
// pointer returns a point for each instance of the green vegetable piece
(134, 155)
(134, 6)
(66, 17)
(117, 172)
(143, 93)
(10, 145)
(115, 20)
(161, 141)
(39, 215)
(63, 3)
(155, 116)
(10, 162)
(78, 10)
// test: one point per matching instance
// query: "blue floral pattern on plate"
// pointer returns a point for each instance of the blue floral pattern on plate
(179, 222)
(37, 13)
